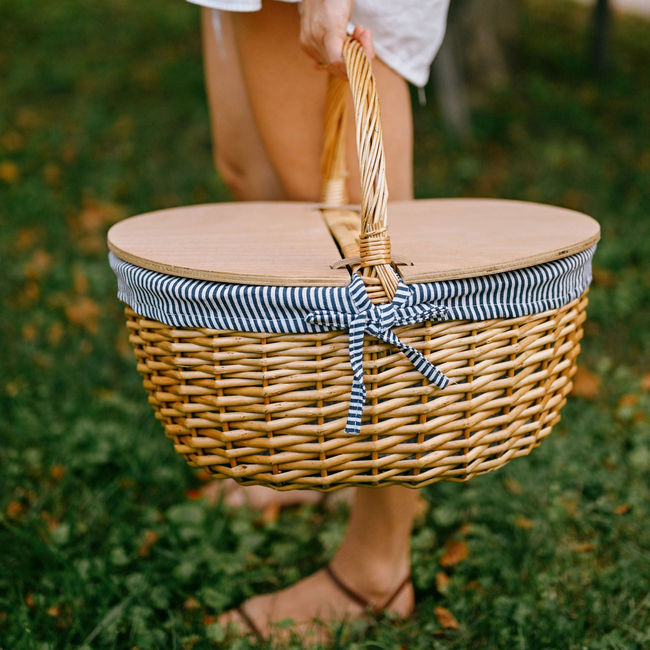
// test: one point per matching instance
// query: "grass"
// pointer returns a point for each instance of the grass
(104, 543)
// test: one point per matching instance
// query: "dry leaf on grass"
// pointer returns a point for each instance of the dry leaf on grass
(9, 172)
(38, 265)
(455, 553)
(191, 603)
(84, 312)
(622, 509)
(585, 384)
(442, 582)
(90, 225)
(29, 332)
(524, 523)
(14, 508)
(27, 237)
(513, 486)
(446, 619)
(150, 538)
(645, 383)
(586, 547)
(55, 333)
(628, 400)
(603, 277)
(57, 472)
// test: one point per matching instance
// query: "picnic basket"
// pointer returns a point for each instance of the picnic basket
(443, 370)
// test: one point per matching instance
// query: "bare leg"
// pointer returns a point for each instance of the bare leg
(238, 151)
(287, 100)
(373, 561)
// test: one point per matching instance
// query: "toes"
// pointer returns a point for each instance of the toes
(233, 622)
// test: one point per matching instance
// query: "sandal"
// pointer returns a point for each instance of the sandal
(369, 607)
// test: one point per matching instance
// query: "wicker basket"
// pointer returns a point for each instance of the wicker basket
(270, 408)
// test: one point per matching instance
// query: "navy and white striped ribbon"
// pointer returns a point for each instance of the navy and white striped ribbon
(378, 320)
(187, 302)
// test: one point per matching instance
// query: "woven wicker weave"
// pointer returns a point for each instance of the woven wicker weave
(271, 409)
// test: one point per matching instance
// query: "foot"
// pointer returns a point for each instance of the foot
(262, 498)
(317, 601)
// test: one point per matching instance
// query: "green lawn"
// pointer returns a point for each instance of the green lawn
(103, 543)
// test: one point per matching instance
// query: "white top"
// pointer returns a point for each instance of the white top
(406, 33)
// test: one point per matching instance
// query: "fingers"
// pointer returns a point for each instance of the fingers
(364, 36)
(323, 30)
(333, 44)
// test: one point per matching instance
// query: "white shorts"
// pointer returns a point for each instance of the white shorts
(406, 33)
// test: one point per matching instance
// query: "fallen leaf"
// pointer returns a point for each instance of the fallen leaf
(27, 238)
(90, 224)
(191, 603)
(585, 547)
(524, 523)
(123, 345)
(603, 277)
(628, 400)
(473, 585)
(446, 618)
(9, 172)
(80, 281)
(53, 611)
(645, 383)
(31, 293)
(150, 538)
(513, 486)
(69, 153)
(38, 265)
(12, 141)
(456, 552)
(29, 332)
(57, 472)
(622, 509)
(52, 174)
(585, 384)
(84, 312)
(442, 582)
(55, 333)
(14, 508)
(27, 118)
(29, 600)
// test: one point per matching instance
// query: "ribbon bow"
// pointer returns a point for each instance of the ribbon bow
(378, 320)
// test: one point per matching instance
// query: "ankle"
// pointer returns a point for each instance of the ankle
(374, 578)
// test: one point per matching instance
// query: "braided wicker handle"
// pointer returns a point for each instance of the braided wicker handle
(374, 244)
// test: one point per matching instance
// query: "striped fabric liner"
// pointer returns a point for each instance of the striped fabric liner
(183, 302)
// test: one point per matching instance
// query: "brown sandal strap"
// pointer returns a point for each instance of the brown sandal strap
(360, 600)
(397, 591)
(249, 621)
(352, 595)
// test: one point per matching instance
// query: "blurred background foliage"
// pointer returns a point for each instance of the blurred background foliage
(106, 540)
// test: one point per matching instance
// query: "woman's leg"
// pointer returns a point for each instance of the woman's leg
(373, 561)
(238, 151)
(287, 99)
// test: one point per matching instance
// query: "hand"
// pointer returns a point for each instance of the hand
(323, 30)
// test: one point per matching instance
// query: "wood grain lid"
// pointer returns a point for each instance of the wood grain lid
(270, 243)
(288, 244)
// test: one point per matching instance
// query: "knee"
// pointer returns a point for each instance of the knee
(233, 175)
(248, 182)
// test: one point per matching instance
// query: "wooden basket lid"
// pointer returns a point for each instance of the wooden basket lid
(288, 244)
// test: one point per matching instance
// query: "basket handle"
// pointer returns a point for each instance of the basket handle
(376, 271)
